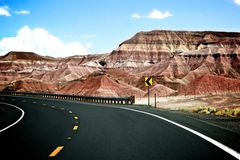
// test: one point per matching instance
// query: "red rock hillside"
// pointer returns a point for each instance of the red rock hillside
(180, 62)
(212, 84)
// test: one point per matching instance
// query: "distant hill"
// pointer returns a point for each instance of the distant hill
(17, 55)
(180, 62)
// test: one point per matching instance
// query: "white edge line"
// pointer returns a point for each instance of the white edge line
(216, 143)
(17, 120)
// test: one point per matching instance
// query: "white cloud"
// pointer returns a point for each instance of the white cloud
(4, 11)
(88, 36)
(22, 12)
(38, 40)
(137, 16)
(155, 14)
(88, 45)
(237, 2)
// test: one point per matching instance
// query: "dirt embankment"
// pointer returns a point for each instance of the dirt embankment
(223, 105)
(220, 110)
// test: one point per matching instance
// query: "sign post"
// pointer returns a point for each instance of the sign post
(148, 83)
(155, 96)
(148, 96)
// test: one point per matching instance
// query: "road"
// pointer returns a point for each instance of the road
(54, 129)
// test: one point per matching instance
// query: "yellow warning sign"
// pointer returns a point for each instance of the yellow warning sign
(148, 81)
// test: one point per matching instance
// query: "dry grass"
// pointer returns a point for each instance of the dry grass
(222, 104)
(229, 112)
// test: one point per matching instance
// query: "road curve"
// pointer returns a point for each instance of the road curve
(5, 106)
(54, 129)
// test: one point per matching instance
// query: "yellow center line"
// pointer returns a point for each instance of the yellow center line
(75, 117)
(56, 151)
(75, 127)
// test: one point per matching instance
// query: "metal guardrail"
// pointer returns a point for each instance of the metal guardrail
(108, 100)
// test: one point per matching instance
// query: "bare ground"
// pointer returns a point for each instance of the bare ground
(189, 103)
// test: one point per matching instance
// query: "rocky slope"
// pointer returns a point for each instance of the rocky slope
(180, 62)
(176, 58)
(212, 84)
(101, 85)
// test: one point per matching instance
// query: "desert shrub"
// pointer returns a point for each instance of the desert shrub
(219, 112)
(206, 110)
(212, 110)
(236, 112)
(229, 112)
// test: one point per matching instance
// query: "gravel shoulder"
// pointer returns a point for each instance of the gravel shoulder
(229, 123)
(190, 102)
(184, 105)
(225, 130)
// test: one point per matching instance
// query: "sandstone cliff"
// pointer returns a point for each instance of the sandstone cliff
(146, 48)
(180, 62)
(175, 58)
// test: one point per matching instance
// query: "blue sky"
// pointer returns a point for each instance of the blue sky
(98, 26)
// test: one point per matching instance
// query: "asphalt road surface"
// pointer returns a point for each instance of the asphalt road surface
(64, 130)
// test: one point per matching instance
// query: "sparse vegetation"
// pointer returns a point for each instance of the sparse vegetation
(206, 110)
(229, 112)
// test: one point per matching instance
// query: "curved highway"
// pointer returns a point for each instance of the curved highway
(8, 115)
(54, 129)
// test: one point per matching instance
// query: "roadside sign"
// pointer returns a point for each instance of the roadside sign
(148, 81)
(132, 99)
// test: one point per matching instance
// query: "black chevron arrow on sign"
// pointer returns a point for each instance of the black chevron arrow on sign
(149, 81)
